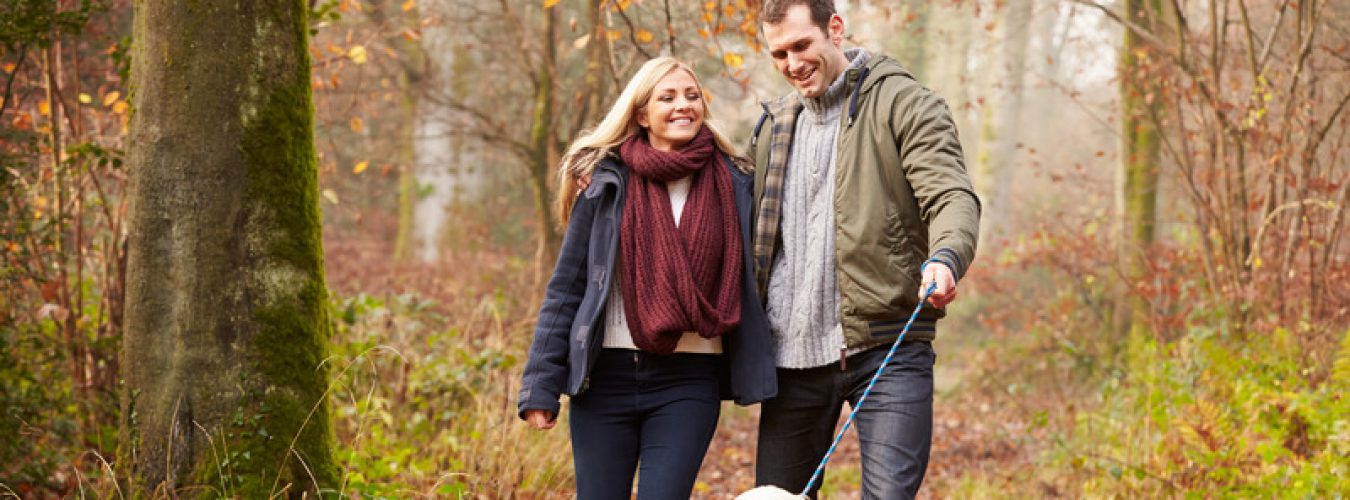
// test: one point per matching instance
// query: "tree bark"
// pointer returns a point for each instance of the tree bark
(1141, 111)
(227, 316)
(541, 134)
(996, 162)
(412, 71)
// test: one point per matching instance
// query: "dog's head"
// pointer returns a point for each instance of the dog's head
(769, 493)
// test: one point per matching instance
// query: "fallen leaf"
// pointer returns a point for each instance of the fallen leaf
(360, 167)
(357, 125)
(357, 54)
(548, 4)
(644, 36)
(331, 196)
(409, 5)
(581, 41)
(85, 98)
(53, 311)
(733, 59)
(111, 98)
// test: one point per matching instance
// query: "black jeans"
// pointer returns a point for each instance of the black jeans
(658, 412)
(895, 424)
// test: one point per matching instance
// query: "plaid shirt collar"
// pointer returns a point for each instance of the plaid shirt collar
(783, 112)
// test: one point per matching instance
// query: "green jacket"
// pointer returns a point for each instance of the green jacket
(901, 198)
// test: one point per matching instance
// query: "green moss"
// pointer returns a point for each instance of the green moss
(286, 409)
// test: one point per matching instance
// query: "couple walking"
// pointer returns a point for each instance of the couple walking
(688, 275)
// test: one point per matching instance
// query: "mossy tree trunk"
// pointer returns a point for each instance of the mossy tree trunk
(412, 73)
(541, 139)
(1141, 111)
(227, 321)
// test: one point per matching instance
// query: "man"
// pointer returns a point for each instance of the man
(861, 196)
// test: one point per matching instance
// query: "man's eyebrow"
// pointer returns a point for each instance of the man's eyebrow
(791, 43)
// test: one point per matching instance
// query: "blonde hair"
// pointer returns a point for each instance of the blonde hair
(619, 124)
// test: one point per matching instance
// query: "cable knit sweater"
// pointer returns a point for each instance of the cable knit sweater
(803, 295)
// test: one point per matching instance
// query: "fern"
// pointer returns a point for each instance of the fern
(1340, 368)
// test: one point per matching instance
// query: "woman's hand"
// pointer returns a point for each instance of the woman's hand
(540, 419)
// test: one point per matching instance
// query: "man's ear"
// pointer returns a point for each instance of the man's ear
(836, 30)
(641, 115)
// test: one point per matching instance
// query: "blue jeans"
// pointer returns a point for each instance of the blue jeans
(895, 424)
(657, 412)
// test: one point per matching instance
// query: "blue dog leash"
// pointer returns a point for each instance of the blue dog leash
(821, 468)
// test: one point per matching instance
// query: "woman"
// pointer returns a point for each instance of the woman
(651, 316)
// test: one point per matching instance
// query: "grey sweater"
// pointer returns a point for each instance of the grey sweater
(803, 295)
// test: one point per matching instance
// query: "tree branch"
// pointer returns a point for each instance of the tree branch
(485, 121)
(9, 85)
(1270, 37)
(632, 34)
(670, 30)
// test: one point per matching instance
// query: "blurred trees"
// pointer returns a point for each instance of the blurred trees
(1244, 99)
(62, 233)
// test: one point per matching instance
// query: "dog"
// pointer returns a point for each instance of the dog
(769, 493)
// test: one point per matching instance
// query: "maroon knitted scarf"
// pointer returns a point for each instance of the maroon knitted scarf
(685, 278)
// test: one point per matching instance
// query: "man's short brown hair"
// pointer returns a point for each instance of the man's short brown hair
(774, 11)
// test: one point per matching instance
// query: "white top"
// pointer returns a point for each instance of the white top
(617, 334)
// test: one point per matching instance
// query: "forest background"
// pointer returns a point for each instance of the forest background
(1158, 307)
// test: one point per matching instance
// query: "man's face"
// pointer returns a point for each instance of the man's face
(808, 57)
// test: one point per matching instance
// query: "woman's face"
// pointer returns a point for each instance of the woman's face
(674, 113)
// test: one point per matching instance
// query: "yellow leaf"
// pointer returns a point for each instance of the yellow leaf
(548, 4)
(702, 487)
(9, 67)
(733, 59)
(1257, 263)
(331, 196)
(622, 4)
(409, 5)
(644, 36)
(85, 98)
(357, 125)
(44, 108)
(360, 167)
(357, 54)
(111, 98)
(120, 107)
(615, 35)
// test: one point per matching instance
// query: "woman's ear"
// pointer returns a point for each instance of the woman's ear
(641, 115)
